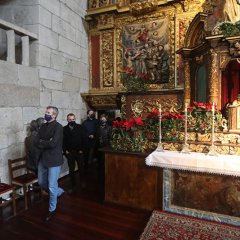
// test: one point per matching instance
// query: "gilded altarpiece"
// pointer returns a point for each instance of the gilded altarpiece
(128, 33)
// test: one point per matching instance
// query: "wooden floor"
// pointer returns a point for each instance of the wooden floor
(80, 215)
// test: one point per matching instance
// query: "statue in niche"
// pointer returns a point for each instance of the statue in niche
(231, 10)
(221, 10)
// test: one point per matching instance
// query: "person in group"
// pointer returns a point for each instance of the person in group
(73, 146)
(49, 166)
(104, 132)
(90, 127)
(104, 137)
(32, 152)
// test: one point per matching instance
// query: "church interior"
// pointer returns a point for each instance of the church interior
(166, 73)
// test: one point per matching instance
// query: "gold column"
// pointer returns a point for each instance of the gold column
(187, 83)
(213, 76)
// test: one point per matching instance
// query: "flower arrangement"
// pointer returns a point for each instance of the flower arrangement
(128, 135)
(200, 116)
(141, 135)
(134, 82)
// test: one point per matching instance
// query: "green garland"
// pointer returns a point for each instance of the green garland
(229, 29)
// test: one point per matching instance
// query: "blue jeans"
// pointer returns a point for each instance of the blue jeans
(48, 179)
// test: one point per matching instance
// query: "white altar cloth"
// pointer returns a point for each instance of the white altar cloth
(197, 162)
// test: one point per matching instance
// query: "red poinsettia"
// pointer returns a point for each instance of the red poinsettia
(204, 106)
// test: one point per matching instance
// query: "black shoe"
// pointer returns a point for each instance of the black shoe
(60, 196)
(50, 215)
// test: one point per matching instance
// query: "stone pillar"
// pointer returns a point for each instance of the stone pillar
(25, 51)
(11, 46)
(187, 82)
(213, 69)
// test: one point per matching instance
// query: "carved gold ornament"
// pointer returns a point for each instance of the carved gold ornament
(107, 60)
(139, 107)
(142, 7)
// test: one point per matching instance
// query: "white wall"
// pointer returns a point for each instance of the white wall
(58, 72)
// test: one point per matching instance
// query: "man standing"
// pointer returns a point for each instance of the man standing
(49, 167)
(73, 146)
(91, 127)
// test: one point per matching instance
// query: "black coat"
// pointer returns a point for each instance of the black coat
(91, 128)
(33, 153)
(73, 139)
(50, 141)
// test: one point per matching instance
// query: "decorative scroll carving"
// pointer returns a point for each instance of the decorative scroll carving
(105, 21)
(147, 105)
(224, 59)
(235, 48)
(142, 7)
(104, 101)
(107, 59)
(98, 4)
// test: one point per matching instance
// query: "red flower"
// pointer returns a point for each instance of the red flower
(139, 121)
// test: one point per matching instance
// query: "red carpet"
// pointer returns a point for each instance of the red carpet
(162, 226)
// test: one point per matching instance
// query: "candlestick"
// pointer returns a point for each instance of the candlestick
(185, 146)
(160, 147)
(212, 148)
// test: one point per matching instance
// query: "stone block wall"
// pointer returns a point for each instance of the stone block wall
(58, 70)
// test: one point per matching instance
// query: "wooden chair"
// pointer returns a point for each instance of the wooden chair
(6, 189)
(21, 176)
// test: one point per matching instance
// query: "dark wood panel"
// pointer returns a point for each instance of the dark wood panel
(130, 182)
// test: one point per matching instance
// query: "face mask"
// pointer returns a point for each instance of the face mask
(92, 116)
(48, 117)
(72, 123)
(103, 123)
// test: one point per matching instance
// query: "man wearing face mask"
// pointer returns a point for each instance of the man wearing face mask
(73, 146)
(91, 127)
(49, 166)
(104, 137)
(104, 132)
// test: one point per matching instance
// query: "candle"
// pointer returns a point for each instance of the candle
(213, 112)
(212, 149)
(213, 108)
(160, 122)
(186, 118)
(160, 147)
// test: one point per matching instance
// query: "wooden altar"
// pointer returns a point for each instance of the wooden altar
(129, 182)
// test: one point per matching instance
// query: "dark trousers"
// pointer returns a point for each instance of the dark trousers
(72, 158)
(89, 155)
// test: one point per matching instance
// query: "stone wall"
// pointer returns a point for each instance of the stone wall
(58, 72)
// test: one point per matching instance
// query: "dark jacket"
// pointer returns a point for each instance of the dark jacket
(104, 134)
(50, 141)
(73, 139)
(33, 153)
(91, 128)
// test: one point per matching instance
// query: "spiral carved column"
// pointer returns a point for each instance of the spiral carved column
(213, 77)
(187, 86)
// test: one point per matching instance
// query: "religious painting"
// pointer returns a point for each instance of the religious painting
(146, 50)
(208, 196)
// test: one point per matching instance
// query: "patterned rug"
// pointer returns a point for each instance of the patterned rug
(169, 226)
